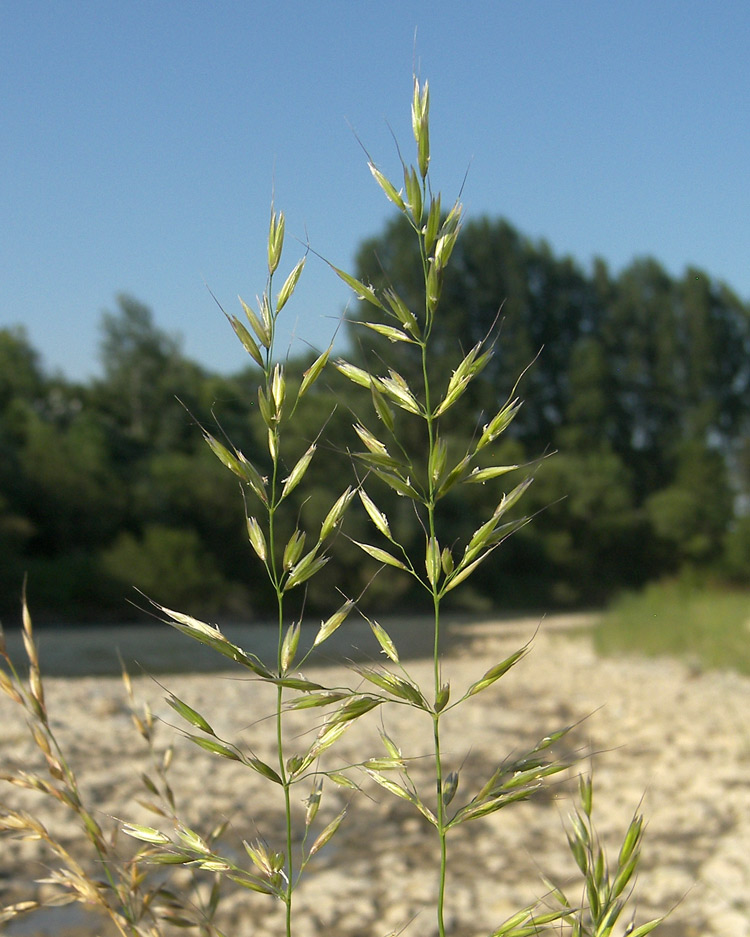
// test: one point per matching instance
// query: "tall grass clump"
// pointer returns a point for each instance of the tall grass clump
(703, 625)
(402, 444)
(95, 872)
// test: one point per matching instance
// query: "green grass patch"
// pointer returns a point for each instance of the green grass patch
(704, 625)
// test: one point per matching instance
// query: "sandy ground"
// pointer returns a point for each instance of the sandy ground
(677, 739)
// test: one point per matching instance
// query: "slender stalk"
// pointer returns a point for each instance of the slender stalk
(285, 780)
(439, 785)
(276, 580)
(440, 807)
(275, 575)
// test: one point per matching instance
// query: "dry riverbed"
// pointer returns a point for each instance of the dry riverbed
(655, 731)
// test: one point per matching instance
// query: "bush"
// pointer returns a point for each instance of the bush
(169, 562)
(737, 552)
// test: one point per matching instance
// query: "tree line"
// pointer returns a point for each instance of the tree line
(635, 427)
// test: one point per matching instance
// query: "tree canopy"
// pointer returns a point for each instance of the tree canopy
(639, 382)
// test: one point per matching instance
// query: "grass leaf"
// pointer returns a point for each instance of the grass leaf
(391, 333)
(384, 640)
(189, 714)
(289, 286)
(313, 372)
(499, 670)
(297, 473)
(247, 340)
(382, 556)
(364, 292)
(216, 748)
(328, 626)
(376, 516)
(387, 186)
(327, 834)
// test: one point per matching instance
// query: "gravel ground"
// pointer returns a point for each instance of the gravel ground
(657, 733)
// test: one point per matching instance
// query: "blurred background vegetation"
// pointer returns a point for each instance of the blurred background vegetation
(640, 383)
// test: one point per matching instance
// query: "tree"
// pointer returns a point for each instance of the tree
(21, 376)
(692, 514)
(499, 283)
(71, 493)
(678, 352)
(639, 380)
(144, 374)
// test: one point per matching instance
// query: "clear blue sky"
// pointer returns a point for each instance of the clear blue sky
(140, 140)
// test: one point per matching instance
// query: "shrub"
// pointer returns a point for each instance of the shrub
(171, 562)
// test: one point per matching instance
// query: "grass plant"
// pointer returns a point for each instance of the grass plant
(706, 626)
(402, 446)
(96, 873)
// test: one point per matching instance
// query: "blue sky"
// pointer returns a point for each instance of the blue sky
(140, 143)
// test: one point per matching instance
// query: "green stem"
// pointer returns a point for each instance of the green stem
(276, 580)
(275, 577)
(442, 833)
(288, 814)
(439, 782)
(289, 868)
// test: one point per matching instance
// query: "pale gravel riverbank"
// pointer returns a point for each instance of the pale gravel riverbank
(676, 737)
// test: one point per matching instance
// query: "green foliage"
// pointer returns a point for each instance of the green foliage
(74, 583)
(704, 625)
(73, 498)
(737, 551)
(640, 378)
(635, 391)
(693, 512)
(15, 532)
(588, 533)
(144, 370)
(169, 562)
(20, 373)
